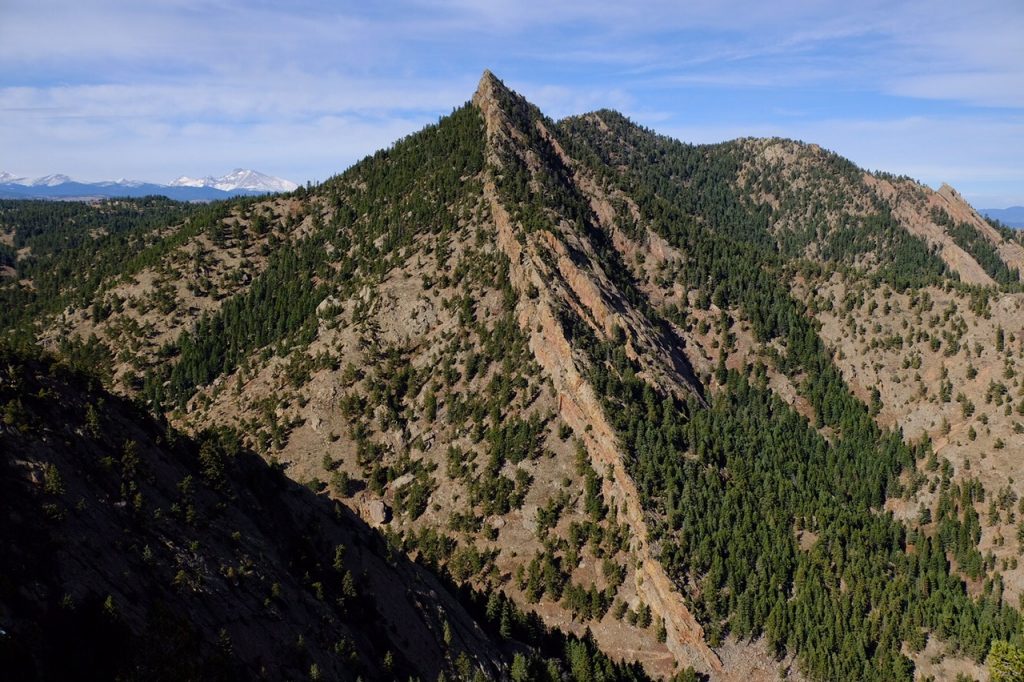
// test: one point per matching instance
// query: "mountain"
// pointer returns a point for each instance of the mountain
(238, 179)
(1012, 216)
(744, 407)
(49, 181)
(239, 182)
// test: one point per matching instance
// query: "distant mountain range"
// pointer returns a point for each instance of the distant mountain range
(240, 178)
(1012, 216)
(240, 181)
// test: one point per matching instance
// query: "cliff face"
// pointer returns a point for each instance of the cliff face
(911, 204)
(591, 296)
(916, 207)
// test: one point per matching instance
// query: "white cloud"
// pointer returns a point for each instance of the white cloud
(286, 95)
(996, 89)
(213, 73)
(310, 150)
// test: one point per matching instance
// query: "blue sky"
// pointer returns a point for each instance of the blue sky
(151, 90)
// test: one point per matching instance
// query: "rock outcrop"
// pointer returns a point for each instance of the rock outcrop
(586, 292)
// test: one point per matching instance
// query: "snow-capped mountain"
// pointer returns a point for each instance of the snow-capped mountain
(186, 181)
(6, 178)
(240, 178)
(123, 182)
(49, 181)
(239, 181)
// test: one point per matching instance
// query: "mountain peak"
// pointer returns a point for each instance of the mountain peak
(490, 91)
(485, 88)
(503, 109)
(50, 180)
(239, 178)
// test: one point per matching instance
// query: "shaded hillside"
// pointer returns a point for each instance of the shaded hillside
(613, 377)
(192, 555)
(135, 552)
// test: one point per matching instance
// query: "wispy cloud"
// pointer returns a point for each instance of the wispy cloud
(112, 87)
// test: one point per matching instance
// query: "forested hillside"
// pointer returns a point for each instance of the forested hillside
(740, 410)
(138, 552)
